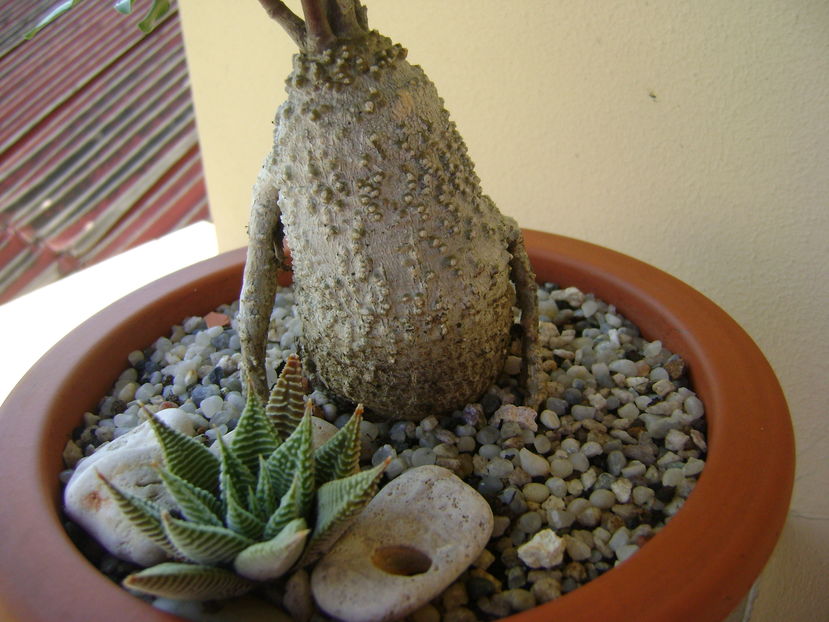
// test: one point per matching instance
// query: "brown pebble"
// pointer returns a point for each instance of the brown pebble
(216, 319)
(427, 613)
(297, 598)
(546, 589)
(454, 596)
(460, 614)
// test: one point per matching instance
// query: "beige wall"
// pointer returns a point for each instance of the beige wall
(693, 135)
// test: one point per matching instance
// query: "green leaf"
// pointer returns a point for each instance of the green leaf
(340, 456)
(203, 544)
(295, 454)
(234, 476)
(196, 504)
(123, 6)
(266, 497)
(51, 16)
(188, 581)
(286, 404)
(242, 521)
(185, 457)
(288, 510)
(158, 11)
(144, 515)
(255, 436)
(338, 504)
(265, 561)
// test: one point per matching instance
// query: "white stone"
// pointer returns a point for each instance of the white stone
(427, 523)
(544, 550)
(675, 440)
(533, 464)
(523, 415)
(129, 462)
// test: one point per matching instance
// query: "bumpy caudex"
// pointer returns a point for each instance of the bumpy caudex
(406, 274)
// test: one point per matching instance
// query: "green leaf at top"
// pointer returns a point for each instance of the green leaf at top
(186, 457)
(255, 436)
(286, 404)
(338, 504)
(158, 11)
(123, 6)
(293, 458)
(340, 456)
(289, 509)
(51, 16)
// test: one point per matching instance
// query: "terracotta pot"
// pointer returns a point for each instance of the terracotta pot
(697, 568)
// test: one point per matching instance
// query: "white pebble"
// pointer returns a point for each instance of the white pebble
(693, 406)
(560, 519)
(623, 366)
(622, 488)
(628, 411)
(557, 486)
(576, 549)
(602, 499)
(673, 477)
(589, 307)
(591, 449)
(580, 462)
(581, 412)
(536, 492)
(652, 349)
(693, 467)
(550, 419)
(533, 464)
(544, 550)
(626, 551)
(211, 405)
(675, 440)
(561, 468)
(127, 393)
(642, 495)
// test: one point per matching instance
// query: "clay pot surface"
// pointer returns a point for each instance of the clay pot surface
(696, 569)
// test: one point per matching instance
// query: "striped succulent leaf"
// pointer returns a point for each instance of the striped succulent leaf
(265, 561)
(186, 457)
(143, 514)
(203, 544)
(286, 404)
(196, 504)
(288, 510)
(340, 455)
(255, 435)
(295, 454)
(251, 505)
(266, 498)
(234, 477)
(190, 581)
(338, 504)
(243, 521)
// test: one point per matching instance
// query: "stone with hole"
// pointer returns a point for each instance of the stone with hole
(415, 537)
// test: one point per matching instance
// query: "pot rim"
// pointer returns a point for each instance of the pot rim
(697, 568)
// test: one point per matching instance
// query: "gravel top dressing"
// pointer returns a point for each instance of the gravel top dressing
(605, 462)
